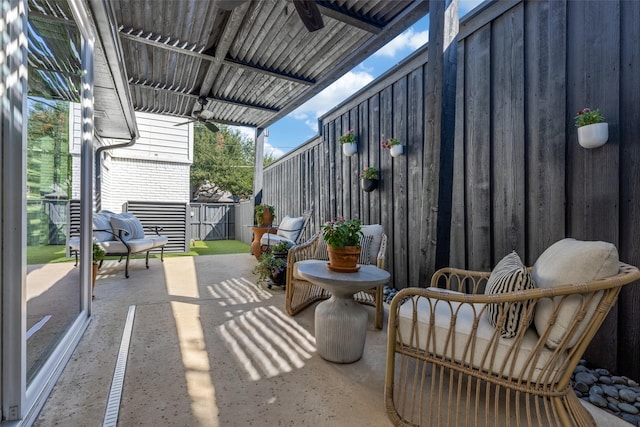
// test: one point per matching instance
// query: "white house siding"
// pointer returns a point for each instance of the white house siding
(74, 148)
(155, 168)
(141, 180)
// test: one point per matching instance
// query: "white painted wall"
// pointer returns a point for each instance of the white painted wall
(156, 168)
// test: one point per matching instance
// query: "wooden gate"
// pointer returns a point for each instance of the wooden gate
(212, 221)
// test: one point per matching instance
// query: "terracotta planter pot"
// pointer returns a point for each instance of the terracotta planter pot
(344, 259)
(265, 219)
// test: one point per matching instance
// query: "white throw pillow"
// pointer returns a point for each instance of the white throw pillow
(565, 262)
(290, 228)
(130, 224)
(102, 221)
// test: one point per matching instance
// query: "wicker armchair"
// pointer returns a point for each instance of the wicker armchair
(447, 365)
(300, 293)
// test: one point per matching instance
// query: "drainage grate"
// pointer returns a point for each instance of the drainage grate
(115, 394)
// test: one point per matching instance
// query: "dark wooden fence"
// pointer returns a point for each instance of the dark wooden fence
(520, 179)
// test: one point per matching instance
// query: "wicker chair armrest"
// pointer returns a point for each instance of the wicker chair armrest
(456, 279)
(303, 251)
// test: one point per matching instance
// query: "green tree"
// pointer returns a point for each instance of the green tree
(223, 158)
(48, 159)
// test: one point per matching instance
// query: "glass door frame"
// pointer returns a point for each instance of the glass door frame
(19, 403)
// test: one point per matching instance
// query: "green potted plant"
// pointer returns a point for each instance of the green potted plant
(264, 214)
(394, 146)
(348, 142)
(369, 178)
(593, 131)
(98, 257)
(343, 243)
(271, 269)
(280, 250)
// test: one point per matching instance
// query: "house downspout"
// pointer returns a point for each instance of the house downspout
(98, 166)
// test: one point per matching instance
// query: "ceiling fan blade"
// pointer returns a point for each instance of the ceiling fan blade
(184, 123)
(309, 14)
(211, 127)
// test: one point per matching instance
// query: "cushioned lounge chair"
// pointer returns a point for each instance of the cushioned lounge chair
(459, 354)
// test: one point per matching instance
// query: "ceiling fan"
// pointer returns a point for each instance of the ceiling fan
(203, 116)
(307, 10)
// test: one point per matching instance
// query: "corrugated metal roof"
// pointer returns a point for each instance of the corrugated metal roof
(254, 63)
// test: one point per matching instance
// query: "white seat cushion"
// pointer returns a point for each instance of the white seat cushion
(137, 245)
(158, 241)
(290, 228)
(268, 239)
(571, 261)
(500, 358)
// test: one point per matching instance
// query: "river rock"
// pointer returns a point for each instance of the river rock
(628, 395)
(586, 377)
(629, 409)
(598, 400)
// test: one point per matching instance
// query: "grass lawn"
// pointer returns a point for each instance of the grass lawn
(56, 253)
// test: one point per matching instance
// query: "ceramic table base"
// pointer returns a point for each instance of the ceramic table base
(341, 329)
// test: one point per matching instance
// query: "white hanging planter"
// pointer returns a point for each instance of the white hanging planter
(349, 148)
(593, 136)
(396, 150)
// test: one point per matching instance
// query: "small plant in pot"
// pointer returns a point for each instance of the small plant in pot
(280, 250)
(369, 178)
(593, 131)
(348, 142)
(264, 214)
(271, 269)
(343, 244)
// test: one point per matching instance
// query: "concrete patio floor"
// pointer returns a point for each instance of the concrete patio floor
(210, 348)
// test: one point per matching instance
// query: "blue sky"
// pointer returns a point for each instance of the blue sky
(301, 125)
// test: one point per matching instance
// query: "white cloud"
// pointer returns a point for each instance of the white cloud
(250, 133)
(333, 95)
(247, 132)
(272, 151)
(407, 40)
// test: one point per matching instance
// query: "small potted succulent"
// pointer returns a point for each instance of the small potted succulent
(369, 178)
(593, 131)
(348, 141)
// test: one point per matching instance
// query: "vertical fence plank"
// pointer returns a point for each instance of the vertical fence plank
(508, 177)
(399, 186)
(414, 155)
(478, 140)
